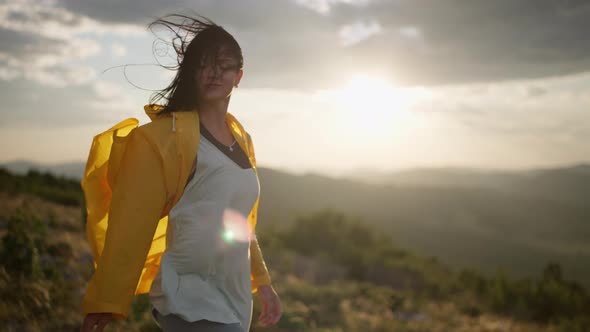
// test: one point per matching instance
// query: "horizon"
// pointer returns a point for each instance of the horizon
(349, 175)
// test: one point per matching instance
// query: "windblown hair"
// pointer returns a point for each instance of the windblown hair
(193, 40)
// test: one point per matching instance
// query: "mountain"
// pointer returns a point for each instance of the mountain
(332, 273)
(73, 170)
(516, 221)
(566, 183)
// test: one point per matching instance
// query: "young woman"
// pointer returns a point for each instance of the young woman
(189, 174)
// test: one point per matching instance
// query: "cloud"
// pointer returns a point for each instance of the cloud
(351, 34)
(486, 69)
(31, 104)
(34, 49)
(317, 44)
(46, 44)
(112, 102)
(536, 91)
(44, 60)
(324, 6)
(551, 109)
(118, 50)
(28, 103)
(483, 41)
(410, 32)
(296, 44)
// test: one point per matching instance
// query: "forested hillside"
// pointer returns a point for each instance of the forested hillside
(516, 222)
(334, 272)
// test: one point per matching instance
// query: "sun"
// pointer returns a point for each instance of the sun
(372, 91)
(372, 105)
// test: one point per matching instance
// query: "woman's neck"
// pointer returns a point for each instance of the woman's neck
(212, 116)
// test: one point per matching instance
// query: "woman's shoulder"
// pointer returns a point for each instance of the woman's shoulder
(169, 133)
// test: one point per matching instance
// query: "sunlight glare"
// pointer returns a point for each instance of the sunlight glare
(373, 105)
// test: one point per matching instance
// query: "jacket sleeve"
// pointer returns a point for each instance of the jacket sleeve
(139, 196)
(259, 272)
(260, 275)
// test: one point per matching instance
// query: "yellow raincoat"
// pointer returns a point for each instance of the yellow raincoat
(133, 178)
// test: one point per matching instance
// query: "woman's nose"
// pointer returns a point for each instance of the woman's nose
(215, 71)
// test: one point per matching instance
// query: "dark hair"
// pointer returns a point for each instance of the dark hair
(193, 41)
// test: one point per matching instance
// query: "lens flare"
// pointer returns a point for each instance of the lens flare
(228, 235)
(235, 227)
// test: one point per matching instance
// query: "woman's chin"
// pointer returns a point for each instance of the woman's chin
(214, 97)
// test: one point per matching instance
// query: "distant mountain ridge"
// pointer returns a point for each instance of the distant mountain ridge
(73, 170)
(320, 263)
(516, 220)
(444, 177)
(568, 183)
(457, 176)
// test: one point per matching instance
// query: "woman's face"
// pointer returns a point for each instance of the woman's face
(216, 77)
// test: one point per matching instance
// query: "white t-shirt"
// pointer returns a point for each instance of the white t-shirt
(205, 270)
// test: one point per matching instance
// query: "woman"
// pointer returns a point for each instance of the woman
(189, 174)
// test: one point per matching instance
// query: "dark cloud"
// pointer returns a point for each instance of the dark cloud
(481, 40)
(27, 45)
(535, 91)
(39, 44)
(114, 11)
(452, 41)
(35, 15)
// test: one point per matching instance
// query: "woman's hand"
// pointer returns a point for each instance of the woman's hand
(100, 320)
(271, 306)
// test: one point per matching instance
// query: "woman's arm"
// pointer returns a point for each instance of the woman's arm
(269, 299)
(261, 282)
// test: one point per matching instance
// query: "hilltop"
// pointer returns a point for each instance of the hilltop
(483, 219)
(334, 273)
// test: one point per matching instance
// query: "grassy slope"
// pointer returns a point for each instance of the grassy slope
(397, 290)
(313, 296)
(516, 221)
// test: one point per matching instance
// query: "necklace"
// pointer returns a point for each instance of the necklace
(211, 137)
(231, 147)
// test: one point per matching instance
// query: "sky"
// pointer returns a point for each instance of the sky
(330, 86)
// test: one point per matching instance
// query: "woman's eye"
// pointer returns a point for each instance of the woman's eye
(221, 67)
